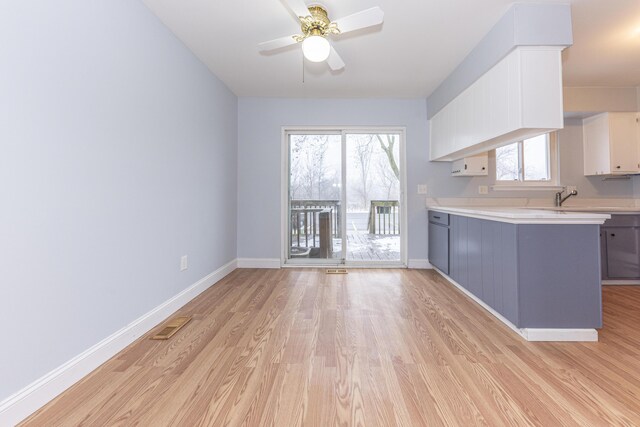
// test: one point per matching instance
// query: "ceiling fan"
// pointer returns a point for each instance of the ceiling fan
(316, 27)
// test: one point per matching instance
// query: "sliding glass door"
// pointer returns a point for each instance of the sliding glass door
(373, 197)
(315, 197)
(344, 198)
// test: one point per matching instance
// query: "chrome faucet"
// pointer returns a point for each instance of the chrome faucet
(560, 200)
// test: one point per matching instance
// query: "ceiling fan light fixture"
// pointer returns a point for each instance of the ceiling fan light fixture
(316, 48)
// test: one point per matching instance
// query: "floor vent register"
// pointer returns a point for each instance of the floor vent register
(171, 327)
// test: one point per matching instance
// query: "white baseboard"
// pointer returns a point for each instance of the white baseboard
(621, 283)
(31, 398)
(258, 262)
(419, 264)
(531, 334)
(582, 335)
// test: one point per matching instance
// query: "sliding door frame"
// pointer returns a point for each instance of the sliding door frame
(284, 186)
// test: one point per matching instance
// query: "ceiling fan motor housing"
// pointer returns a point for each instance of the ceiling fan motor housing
(318, 23)
(319, 13)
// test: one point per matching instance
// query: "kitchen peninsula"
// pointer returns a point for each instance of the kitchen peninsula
(536, 270)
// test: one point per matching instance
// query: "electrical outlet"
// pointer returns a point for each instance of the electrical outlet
(422, 188)
(483, 189)
(183, 263)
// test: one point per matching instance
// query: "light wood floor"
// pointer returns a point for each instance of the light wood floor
(374, 347)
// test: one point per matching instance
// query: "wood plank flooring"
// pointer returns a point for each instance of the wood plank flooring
(373, 348)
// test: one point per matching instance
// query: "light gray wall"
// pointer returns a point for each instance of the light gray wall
(599, 99)
(260, 121)
(117, 156)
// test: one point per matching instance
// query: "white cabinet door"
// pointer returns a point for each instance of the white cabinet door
(463, 116)
(480, 109)
(449, 127)
(499, 99)
(477, 165)
(623, 140)
(611, 144)
(490, 112)
(596, 145)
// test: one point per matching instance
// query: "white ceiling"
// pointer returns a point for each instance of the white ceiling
(606, 44)
(417, 47)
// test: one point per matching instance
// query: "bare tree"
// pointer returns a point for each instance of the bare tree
(387, 179)
(308, 171)
(314, 174)
(310, 177)
(507, 163)
(388, 148)
(362, 151)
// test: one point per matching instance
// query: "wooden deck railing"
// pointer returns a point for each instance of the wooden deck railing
(314, 224)
(333, 205)
(311, 228)
(384, 217)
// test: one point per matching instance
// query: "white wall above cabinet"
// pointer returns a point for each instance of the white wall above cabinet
(477, 165)
(611, 144)
(520, 97)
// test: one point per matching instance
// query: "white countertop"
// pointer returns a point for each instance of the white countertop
(525, 216)
(617, 210)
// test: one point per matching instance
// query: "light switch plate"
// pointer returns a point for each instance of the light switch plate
(183, 263)
(483, 189)
(422, 188)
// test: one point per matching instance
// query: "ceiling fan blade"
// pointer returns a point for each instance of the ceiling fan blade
(366, 18)
(335, 62)
(298, 7)
(276, 44)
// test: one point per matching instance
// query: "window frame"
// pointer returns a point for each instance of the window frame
(551, 184)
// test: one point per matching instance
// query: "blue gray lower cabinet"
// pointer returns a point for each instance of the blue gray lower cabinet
(439, 241)
(620, 247)
(439, 247)
(535, 275)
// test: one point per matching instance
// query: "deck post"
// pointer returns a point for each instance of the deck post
(326, 234)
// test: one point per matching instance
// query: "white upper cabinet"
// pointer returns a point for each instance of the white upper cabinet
(477, 165)
(520, 97)
(611, 144)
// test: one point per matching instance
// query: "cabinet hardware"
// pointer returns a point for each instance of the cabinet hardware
(617, 167)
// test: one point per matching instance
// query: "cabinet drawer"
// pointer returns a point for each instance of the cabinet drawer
(622, 221)
(438, 217)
